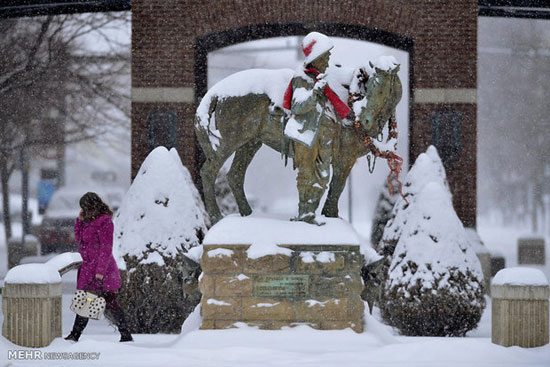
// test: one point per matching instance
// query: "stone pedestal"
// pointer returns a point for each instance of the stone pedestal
(31, 304)
(315, 284)
(531, 251)
(520, 314)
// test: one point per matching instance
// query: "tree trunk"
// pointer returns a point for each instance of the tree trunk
(4, 178)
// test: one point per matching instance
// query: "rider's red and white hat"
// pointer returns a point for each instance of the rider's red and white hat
(314, 45)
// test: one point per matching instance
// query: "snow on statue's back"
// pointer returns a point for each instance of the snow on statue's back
(258, 81)
(162, 208)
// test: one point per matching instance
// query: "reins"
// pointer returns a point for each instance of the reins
(395, 162)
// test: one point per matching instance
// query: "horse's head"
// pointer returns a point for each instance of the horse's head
(383, 93)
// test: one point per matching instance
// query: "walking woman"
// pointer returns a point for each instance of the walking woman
(98, 273)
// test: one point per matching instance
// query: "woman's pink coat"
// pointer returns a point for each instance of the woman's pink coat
(95, 245)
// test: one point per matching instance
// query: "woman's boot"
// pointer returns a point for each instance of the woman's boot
(79, 325)
(125, 335)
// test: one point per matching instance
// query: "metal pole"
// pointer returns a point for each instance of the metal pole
(25, 193)
(60, 164)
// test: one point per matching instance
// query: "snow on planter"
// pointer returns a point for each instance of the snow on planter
(520, 276)
(434, 283)
(33, 274)
(65, 262)
(161, 218)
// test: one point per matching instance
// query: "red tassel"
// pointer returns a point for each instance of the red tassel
(287, 99)
(341, 108)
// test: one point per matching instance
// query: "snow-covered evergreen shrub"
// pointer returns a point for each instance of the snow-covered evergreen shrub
(160, 219)
(434, 283)
(383, 211)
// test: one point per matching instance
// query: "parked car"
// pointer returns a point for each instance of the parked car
(56, 233)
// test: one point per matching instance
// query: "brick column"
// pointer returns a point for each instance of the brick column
(445, 95)
(163, 97)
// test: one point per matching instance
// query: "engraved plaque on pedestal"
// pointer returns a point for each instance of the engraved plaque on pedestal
(284, 285)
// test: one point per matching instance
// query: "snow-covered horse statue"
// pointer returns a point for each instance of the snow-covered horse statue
(243, 111)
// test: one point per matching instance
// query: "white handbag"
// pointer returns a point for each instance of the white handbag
(88, 304)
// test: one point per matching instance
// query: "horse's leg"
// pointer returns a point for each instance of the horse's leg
(241, 161)
(209, 171)
(215, 159)
(340, 174)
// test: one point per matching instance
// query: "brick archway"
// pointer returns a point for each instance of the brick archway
(170, 41)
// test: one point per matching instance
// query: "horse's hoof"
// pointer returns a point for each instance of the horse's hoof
(245, 212)
(308, 218)
(330, 213)
(215, 219)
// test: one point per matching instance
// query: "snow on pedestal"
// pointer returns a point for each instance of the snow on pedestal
(265, 234)
(161, 218)
(520, 307)
(434, 284)
(272, 273)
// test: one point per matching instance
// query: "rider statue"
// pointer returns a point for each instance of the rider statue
(314, 124)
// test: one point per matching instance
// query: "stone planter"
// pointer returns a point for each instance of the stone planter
(317, 285)
(31, 304)
(520, 308)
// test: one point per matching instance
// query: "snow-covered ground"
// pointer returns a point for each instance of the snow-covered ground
(379, 345)
(301, 346)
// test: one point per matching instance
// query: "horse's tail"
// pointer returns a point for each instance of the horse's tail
(207, 138)
(202, 121)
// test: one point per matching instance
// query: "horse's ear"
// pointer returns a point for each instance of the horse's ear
(396, 69)
(371, 65)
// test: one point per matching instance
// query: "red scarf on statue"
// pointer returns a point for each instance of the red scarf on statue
(341, 108)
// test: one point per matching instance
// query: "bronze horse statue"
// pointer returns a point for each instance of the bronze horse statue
(243, 111)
